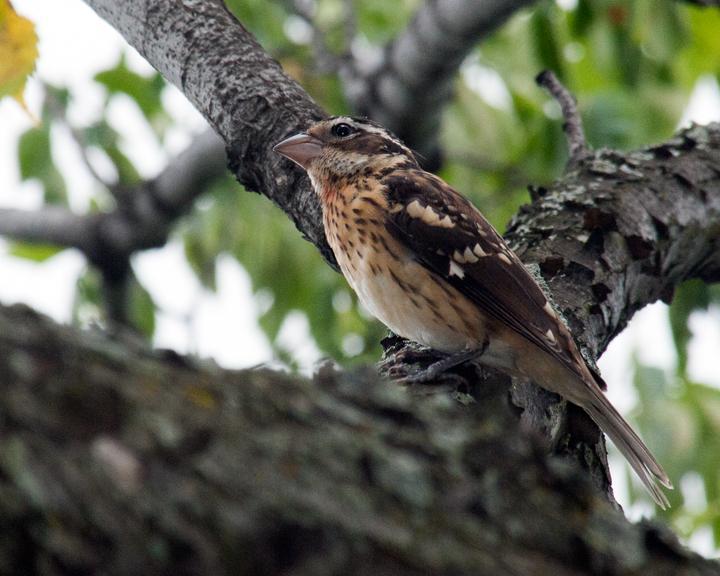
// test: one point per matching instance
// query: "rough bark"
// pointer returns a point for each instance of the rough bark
(118, 460)
(242, 92)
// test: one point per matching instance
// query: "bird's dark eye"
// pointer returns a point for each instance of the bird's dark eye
(342, 130)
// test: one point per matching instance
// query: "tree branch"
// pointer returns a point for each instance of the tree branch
(622, 230)
(407, 88)
(142, 220)
(48, 225)
(115, 460)
(242, 92)
(577, 144)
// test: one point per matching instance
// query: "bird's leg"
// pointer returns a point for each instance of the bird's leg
(451, 361)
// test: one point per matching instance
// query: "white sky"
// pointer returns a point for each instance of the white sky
(74, 44)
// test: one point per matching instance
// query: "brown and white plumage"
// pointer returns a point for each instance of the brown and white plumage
(425, 261)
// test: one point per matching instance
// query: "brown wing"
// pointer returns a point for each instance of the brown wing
(448, 234)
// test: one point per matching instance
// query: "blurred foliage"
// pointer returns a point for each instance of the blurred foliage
(682, 416)
(287, 273)
(631, 65)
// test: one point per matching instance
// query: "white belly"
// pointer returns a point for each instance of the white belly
(408, 312)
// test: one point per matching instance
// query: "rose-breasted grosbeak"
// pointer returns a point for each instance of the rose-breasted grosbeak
(425, 261)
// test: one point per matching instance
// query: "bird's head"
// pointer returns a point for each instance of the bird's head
(342, 147)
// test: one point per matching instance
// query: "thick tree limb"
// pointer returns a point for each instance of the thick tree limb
(114, 460)
(242, 92)
(623, 230)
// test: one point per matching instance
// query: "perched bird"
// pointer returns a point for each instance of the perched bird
(425, 262)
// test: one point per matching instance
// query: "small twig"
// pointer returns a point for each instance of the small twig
(577, 145)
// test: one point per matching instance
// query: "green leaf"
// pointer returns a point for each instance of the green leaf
(105, 137)
(690, 296)
(34, 153)
(35, 162)
(87, 306)
(381, 20)
(582, 18)
(545, 41)
(142, 310)
(264, 19)
(146, 91)
(34, 252)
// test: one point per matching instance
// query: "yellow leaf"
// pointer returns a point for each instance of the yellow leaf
(18, 52)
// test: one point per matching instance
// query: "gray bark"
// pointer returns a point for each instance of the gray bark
(118, 460)
(407, 88)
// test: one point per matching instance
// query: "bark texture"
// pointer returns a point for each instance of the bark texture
(117, 460)
(242, 92)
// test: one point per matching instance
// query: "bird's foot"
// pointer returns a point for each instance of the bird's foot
(439, 369)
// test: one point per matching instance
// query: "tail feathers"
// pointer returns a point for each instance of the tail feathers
(629, 443)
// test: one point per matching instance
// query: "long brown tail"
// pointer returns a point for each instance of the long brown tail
(628, 442)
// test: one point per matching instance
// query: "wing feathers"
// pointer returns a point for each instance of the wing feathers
(448, 234)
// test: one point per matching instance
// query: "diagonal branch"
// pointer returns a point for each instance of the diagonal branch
(407, 88)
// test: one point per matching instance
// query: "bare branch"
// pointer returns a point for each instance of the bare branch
(408, 86)
(47, 225)
(189, 174)
(142, 220)
(577, 144)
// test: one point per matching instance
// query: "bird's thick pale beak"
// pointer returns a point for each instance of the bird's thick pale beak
(301, 148)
